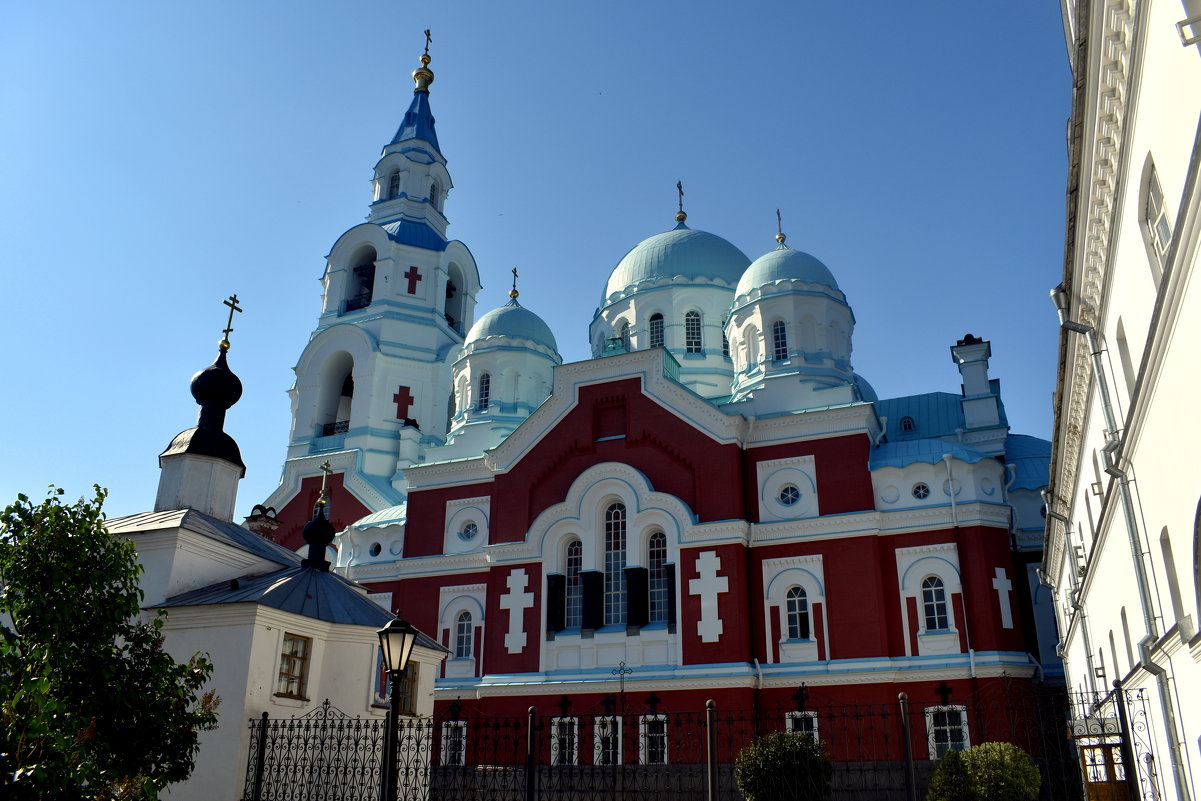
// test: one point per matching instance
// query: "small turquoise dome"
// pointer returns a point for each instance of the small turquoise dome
(515, 321)
(678, 253)
(784, 264)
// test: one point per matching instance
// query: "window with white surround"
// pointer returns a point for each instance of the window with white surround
(624, 334)
(934, 604)
(947, 729)
(573, 590)
(463, 636)
(652, 745)
(779, 337)
(454, 742)
(797, 613)
(563, 739)
(294, 666)
(394, 185)
(606, 738)
(615, 562)
(801, 723)
(655, 330)
(656, 559)
(692, 332)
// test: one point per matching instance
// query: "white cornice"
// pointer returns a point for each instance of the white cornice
(857, 418)
(881, 523)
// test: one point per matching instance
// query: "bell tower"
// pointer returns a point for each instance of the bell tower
(373, 383)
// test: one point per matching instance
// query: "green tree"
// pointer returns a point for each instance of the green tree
(783, 767)
(90, 704)
(985, 772)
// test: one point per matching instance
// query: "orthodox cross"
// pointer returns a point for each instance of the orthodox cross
(564, 704)
(325, 471)
(428, 39)
(801, 696)
(680, 191)
(513, 291)
(779, 228)
(413, 277)
(653, 702)
(621, 671)
(403, 399)
(232, 303)
(943, 692)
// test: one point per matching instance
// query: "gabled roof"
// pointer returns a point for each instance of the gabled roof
(222, 531)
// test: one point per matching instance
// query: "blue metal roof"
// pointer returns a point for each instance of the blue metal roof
(678, 253)
(222, 531)
(418, 122)
(1031, 458)
(784, 264)
(515, 321)
(930, 451)
(417, 234)
(934, 414)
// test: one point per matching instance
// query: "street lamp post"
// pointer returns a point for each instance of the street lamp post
(396, 641)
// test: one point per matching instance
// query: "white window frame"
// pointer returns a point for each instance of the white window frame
(288, 660)
(464, 636)
(654, 329)
(644, 736)
(454, 730)
(484, 393)
(614, 563)
(694, 339)
(792, 719)
(930, 729)
(779, 341)
(598, 745)
(555, 749)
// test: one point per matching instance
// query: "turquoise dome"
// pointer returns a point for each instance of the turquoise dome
(515, 321)
(784, 264)
(678, 253)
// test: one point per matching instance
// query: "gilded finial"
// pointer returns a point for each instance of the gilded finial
(779, 228)
(680, 215)
(513, 293)
(325, 471)
(232, 303)
(423, 76)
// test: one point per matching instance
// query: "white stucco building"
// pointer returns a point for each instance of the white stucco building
(1122, 549)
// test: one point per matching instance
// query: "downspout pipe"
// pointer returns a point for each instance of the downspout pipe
(1113, 443)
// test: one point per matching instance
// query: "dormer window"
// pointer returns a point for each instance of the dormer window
(907, 425)
(394, 185)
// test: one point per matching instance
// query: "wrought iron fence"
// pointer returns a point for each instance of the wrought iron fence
(1112, 733)
(594, 754)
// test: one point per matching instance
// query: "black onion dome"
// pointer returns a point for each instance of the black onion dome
(318, 533)
(216, 385)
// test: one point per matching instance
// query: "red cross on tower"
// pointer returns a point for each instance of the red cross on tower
(413, 277)
(403, 400)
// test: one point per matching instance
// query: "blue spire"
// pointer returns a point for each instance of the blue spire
(419, 121)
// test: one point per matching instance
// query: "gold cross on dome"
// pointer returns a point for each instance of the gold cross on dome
(325, 471)
(232, 303)
(513, 291)
(428, 39)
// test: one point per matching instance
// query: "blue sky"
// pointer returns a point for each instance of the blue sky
(159, 156)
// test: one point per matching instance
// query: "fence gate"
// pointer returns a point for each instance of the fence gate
(1112, 738)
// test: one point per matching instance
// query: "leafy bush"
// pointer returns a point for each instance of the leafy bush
(783, 767)
(986, 772)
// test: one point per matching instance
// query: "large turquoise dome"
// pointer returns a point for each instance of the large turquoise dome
(784, 264)
(514, 321)
(678, 254)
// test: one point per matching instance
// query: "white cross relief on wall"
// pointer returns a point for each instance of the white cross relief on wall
(1003, 585)
(708, 587)
(516, 600)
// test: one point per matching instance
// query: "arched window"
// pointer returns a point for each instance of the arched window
(725, 341)
(574, 595)
(615, 562)
(656, 559)
(624, 334)
(907, 424)
(796, 608)
(779, 339)
(435, 197)
(692, 332)
(934, 604)
(394, 185)
(655, 329)
(1156, 228)
(485, 393)
(463, 631)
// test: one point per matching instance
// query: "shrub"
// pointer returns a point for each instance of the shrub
(783, 767)
(986, 772)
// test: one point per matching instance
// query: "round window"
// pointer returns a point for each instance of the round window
(375, 549)
(789, 494)
(468, 531)
(921, 491)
